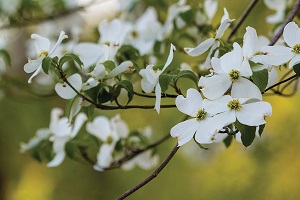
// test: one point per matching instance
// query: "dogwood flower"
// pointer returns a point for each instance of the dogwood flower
(62, 132)
(278, 55)
(150, 79)
(279, 6)
(109, 132)
(245, 110)
(42, 47)
(65, 91)
(212, 42)
(41, 134)
(231, 70)
(203, 125)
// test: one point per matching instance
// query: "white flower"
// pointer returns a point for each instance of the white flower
(231, 70)
(203, 125)
(109, 132)
(62, 132)
(279, 6)
(247, 111)
(42, 47)
(40, 135)
(278, 55)
(213, 42)
(65, 91)
(144, 160)
(113, 32)
(150, 79)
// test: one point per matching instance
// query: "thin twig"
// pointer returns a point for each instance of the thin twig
(152, 96)
(152, 176)
(242, 19)
(289, 19)
(280, 82)
(119, 162)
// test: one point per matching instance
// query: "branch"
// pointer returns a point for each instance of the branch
(279, 83)
(152, 176)
(119, 162)
(242, 19)
(289, 19)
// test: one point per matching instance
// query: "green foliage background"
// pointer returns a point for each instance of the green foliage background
(269, 169)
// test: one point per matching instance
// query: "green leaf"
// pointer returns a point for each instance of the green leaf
(260, 79)
(68, 57)
(227, 141)
(127, 85)
(48, 63)
(297, 69)
(261, 129)
(248, 133)
(109, 65)
(43, 151)
(6, 56)
(189, 75)
(89, 111)
(69, 103)
(165, 80)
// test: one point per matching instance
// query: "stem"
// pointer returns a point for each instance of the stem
(289, 19)
(151, 96)
(119, 162)
(152, 176)
(283, 81)
(242, 19)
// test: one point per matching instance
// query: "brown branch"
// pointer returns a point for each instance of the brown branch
(280, 82)
(152, 176)
(289, 19)
(242, 19)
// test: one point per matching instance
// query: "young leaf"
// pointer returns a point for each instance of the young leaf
(47, 63)
(248, 133)
(260, 79)
(6, 56)
(165, 80)
(70, 56)
(109, 65)
(227, 141)
(127, 85)
(187, 74)
(43, 151)
(261, 129)
(297, 69)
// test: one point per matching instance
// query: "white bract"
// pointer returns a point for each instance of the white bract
(231, 70)
(212, 42)
(279, 6)
(42, 47)
(65, 91)
(247, 111)
(109, 132)
(278, 55)
(62, 132)
(203, 124)
(150, 79)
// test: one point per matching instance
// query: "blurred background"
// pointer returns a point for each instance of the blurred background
(269, 169)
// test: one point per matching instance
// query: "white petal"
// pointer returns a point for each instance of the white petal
(251, 44)
(218, 105)
(215, 86)
(57, 160)
(291, 34)
(210, 7)
(41, 43)
(104, 157)
(245, 69)
(170, 57)
(232, 60)
(100, 128)
(243, 88)
(184, 131)
(61, 37)
(294, 61)
(275, 55)
(79, 121)
(65, 91)
(120, 69)
(253, 114)
(191, 104)
(32, 65)
(158, 97)
(222, 28)
(216, 65)
(37, 71)
(149, 80)
(201, 48)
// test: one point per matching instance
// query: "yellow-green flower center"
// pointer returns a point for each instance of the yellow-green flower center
(42, 53)
(234, 75)
(296, 48)
(200, 115)
(212, 34)
(109, 139)
(135, 34)
(234, 105)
